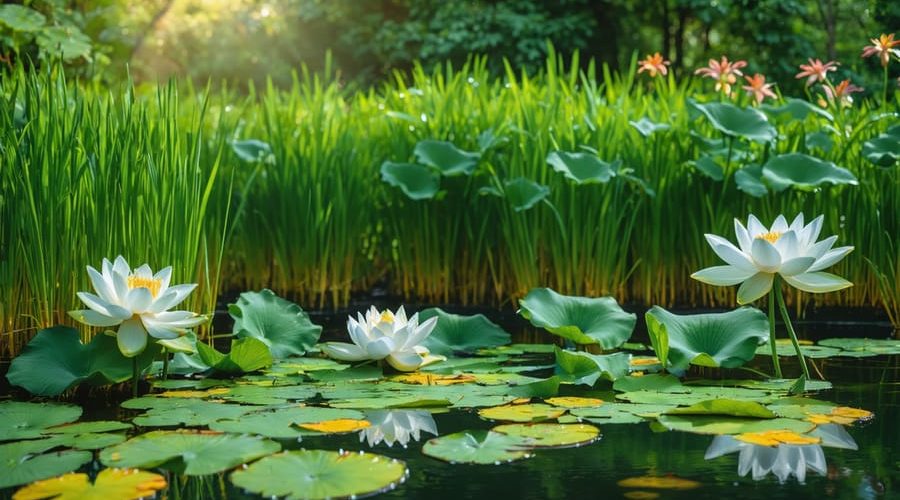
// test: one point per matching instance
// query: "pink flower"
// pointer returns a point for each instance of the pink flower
(842, 92)
(654, 65)
(759, 88)
(816, 71)
(884, 47)
(724, 72)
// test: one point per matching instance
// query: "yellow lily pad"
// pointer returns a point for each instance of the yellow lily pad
(552, 435)
(419, 378)
(123, 484)
(643, 361)
(195, 394)
(522, 413)
(337, 426)
(574, 402)
(641, 495)
(775, 438)
(659, 482)
(843, 415)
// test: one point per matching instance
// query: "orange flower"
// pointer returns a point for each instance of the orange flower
(654, 65)
(816, 71)
(842, 92)
(884, 47)
(759, 88)
(724, 72)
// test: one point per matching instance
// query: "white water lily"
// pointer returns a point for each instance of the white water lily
(386, 335)
(397, 426)
(138, 301)
(784, 460)
(788, 250)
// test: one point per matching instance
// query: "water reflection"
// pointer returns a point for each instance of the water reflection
(397, 426)
(784, 460)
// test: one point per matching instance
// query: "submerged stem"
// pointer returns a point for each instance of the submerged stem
(790, 328)
(134, 377)
(165, 369)
(772, 343)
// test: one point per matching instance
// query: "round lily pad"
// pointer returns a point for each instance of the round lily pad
(478, 447)
(574, 402)
(280, 423)
(25, 461)
(189, 453)
(707, 424)
(522, 413)
(863, 347)
(552, 435)
(20, 420)
(124, 484)
(776, 437)
(311, 474)
(337, 426)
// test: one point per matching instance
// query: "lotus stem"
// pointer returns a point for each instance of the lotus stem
(165, 368)
(790, 328)
(772, 339)
(134, 377)
(884, 96)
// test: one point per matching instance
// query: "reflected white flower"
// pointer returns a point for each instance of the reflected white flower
(397, 426)
(783, 460)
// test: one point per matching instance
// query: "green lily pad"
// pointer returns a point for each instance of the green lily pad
(552, 435)
(522, 194)
(749, 180)
(863, 347)
(787, 349)
(783, 385)
(800, 408)
(725, 340)
(620, 413)
(23, 462)
(365, 372)
(280, 324)
(730, 407)
(189, 453)
(797, 109)
(707, 166)
(747, 123)
(268, 394)
(708, 424)
(418, 182)
(531, 412)
(315, 474)
(90, 427)
(280, 423)
(110, 483)
(390, 401)
(446, 157)
(173, 412)
(581, 319)
(300, 366)
(56, 360)
(478, 447)
(21, 18)
(804, 172)
(658, 383)
(578, 367)
(456, 333)
(883, 150)
(20, 420)
(583, 168)
(246, 355)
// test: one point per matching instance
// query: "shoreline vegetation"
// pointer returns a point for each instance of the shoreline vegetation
(449, 186)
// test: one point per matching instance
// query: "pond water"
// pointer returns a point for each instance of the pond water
(624, 450)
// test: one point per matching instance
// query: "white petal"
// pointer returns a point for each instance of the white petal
(787, 246)
(400, 316)
(139, 299)
(722, 445)
(743, 237)
(817, 282)
(755, 227)
(93, 318)
(813, 229)
(755, 287)
(160, 331)
(103, 288)
(405, 361)
(830, 258)
(121, 266)
(144, 272)
(379, 348)
(822, 247)
(171, 297)
(103, 307)
(175, 319)
(780, 225)
(729, 253)
(422, 332)
(722, 275)
(797, 224)
(164, 276)
(796, 265)
(343, 351)
(765, 256)
(357, 333)
(132, 338)
(815, 459)
(120, 285)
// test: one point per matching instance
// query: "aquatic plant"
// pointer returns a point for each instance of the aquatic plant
(397, 426)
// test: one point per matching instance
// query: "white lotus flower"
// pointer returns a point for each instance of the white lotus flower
(386, 335)
(783, 460)
(397, 426)
(790, 251)
(138, 301)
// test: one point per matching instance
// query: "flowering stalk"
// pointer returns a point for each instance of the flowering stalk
(772, 337)
(135, 377)
(790, 328)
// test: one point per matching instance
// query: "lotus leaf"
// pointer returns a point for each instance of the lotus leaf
(574, 402)
(25, 461)
(280, 324)
(279, 423)
(189, 453)
(21, 18)
(454, 333)
(863, 347)
(657, 383)
(315, 474)
(804, 172)
(124, 484)
(619, 413)
(709, 424)
(578, 367)
(747, 123)
(820, 140)
(171, 412)
(522, 194)
(582, 168)
(478, 447)
(883, 150)
(246, 355)
(797, 109)
(581, 319)
(708, 167)
(552, 435)
(19, 420)
(418, 182)
(647, 128)
(365, 372)
(749, 180)
(730, 407)
(535, 412)
(446, 157)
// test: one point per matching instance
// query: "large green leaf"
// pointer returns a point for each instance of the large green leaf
(171, 412)
(584, 368)
(725, 340)
(581, 319)
(246, 355)
(21, 18)
(884, 150)
(524, 193)
(709, 424)
(280, 423)
(56, 360)
(66, 41)
(24, 461)
(456, 333)
(189, 453)
(546, 435)
(747, 123)
(20, 420)
(749, 180)
(583, 168)
(804, 172)
(446, 157)
(279, 323)
(730, 407)
(797, 109)
(315, 474)
(478, 447)
(418, 182)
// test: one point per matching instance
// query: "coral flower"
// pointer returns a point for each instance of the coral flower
(816, 71)
(724, 72)
(884, 47)
(138, 301)
(759, 88)
(842, 92)
(654, 65)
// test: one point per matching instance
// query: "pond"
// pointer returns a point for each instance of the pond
(605, 441)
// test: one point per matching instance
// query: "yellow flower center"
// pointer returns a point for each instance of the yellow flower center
(387, 317)
(771, 236)
(152, 284)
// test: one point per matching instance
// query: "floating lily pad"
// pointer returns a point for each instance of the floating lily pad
(280, 423)
(19, 420)
(535, 412)
(552, 435)
(574, 402)
(418, 182)
(579, 367)
(278, 323)
(747, 123)
(706, 424)
(804, 172)
(659, 482)
(776, 437)
(725, 340)
(810, 351)
(90, 427)
(618, 413)
(657, 383)
(22, 462)
(730, 407)
(314, 474)
(478, 447)
(124, 484)
(433, 379)
(840, 415)
(583, 168)
(337, 426)
(863, 347)
(365, 372)
(171, 412)
(581, 319)
(189, 453)
(446, 157)
(456, 333)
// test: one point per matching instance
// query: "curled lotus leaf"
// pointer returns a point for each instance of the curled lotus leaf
(284, 327)
(446, 157)
(747, 123)
(418, 182)
(804, 172)
(458, 333)
(582, 167)
(579, 367)
(583, 320)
